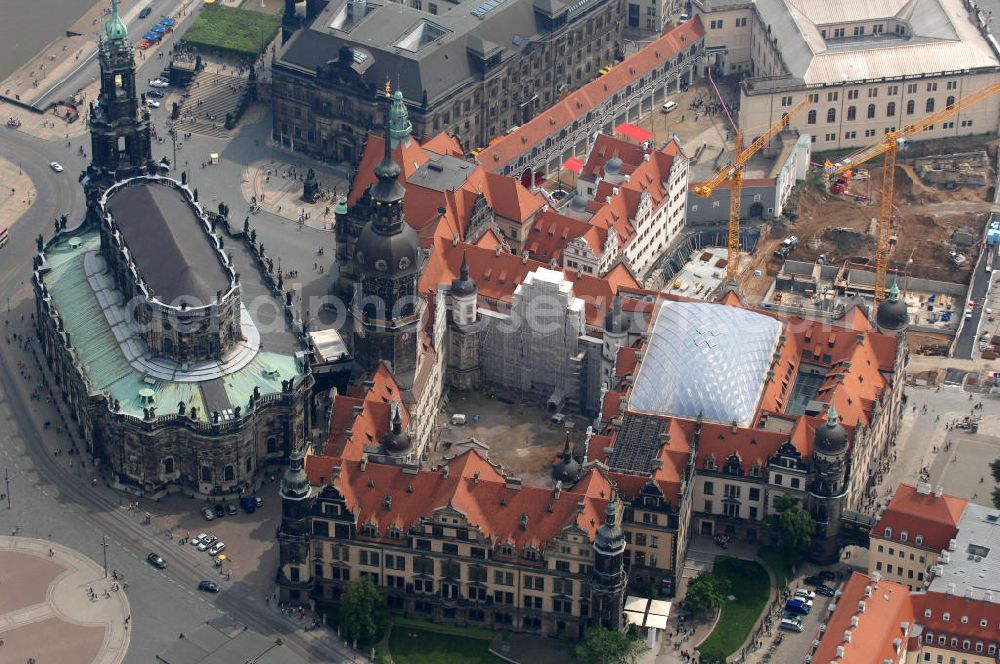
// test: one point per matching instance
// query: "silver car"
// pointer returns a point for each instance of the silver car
(217, 549)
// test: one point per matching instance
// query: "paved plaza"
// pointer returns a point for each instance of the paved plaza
(57, 606)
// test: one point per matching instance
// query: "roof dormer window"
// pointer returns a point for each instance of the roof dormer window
(903, 536)
(888, 532)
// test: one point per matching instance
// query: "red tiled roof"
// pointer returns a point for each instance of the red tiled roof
(606, 147)
(965, 618)
(351, 430)
(871, 641)
(497, 274)
(934, 517)
(474, 487)
(550, 235)
(577, 103)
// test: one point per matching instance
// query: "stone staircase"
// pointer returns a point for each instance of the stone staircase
(217, 96)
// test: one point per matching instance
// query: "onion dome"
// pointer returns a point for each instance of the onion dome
(115, 29)
(463, 286)
(614, 322)
(610, 540)
(566, 469)
(831, 438)
(613, 166)
(295, 483)
(396, 441)
(578, 203)
(892, 314)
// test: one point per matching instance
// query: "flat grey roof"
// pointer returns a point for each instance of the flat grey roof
(169, 244)
(974, 565)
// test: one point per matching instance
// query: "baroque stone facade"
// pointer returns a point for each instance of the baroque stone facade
(454, 76)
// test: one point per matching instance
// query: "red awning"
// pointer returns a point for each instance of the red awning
(634, 132)
(573, 164)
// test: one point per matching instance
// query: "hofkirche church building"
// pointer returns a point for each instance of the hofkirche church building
(141, 319)
(703, 415)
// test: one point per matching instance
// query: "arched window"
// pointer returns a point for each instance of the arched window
(852, 113)
(871, 111)
(950, 102)
(811, 118)
(229, 473)
(910, 107)
(890, 109)
(930, 105)
(831, 115)
(206, 473)
(168, 466)
(272, 444)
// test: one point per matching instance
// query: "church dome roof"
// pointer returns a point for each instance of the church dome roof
(394, 254)
(831, 437)
(115, 28)
(613, 166)
(396, 441)
(892, 313)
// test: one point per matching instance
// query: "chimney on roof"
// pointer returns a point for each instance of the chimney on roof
(645, 157)
(614, 191)
(607, 200)
(558, 490)
(545, 208)
(988, 596)
(497, 251)
(847, 636)
(475, 477)
(454, 239)
(938, 491)
(524, 258)
(735, 426)
(524, 521)
(950, 590)
(364, 462)
(444, 472)
(968, 592)
(628, 177)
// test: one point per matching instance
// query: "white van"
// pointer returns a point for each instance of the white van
(458, 419)
(669, 107)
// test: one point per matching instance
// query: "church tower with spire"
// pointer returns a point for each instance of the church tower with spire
(387, 307)
(609, 579)
(463, 368)
(120, 132)
(828, 485)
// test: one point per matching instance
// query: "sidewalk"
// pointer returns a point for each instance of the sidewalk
(48, 612)
(16, 194)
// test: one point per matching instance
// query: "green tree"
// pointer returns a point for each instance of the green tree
(794, 524)
(711, 657)
(995, 469)
(363, 616)
(705, 592)
(608, 646)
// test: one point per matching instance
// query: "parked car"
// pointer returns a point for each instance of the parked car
(156, 561)
(803, 592)
(159, 83)
(813, 580)
(195, 541)
(258, 501)
(217, 549)
(827, 575)
(231, 509)
(209, 587)
(220, 511)
(797, 606)
(207, 513)
(206, 542)
(152, 103)
(155, 94)
(791, 624)
(56, 166)
(825, 590)
(146, 11)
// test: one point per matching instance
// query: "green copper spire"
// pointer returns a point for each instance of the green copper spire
(831, 416)
(115, 29)
(894, 292)
(399, 120)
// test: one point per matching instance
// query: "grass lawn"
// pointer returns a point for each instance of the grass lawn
(780, 563)
(409, 645)
(238, 31)
(750, 585)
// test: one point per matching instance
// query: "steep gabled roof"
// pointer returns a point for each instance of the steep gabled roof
(934, 517)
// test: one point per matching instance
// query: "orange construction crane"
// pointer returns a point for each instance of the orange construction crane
(734, 171)
(888, 145)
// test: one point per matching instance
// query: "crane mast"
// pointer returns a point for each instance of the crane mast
(733, 171)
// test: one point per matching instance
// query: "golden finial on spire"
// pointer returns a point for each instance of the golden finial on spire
(388, 87)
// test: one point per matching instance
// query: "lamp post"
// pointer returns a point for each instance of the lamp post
(173, 139)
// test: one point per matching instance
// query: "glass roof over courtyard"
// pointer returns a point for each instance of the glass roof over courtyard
(707, 359)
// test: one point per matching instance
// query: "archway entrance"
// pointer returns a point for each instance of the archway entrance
(756, 212)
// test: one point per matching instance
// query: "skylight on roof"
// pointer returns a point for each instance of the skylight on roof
(422, 34)
(486, 7)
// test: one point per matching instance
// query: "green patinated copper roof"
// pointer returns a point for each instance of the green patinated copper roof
(400, 126)
(104, 363)
(115, 28)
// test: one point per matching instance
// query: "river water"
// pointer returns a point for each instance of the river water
(26, 27)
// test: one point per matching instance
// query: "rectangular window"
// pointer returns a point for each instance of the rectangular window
(709, 488)
(872, 93)
(503, 578)
(932, 87)
(786, 101)
(892, 90)
(832, 96)
(852, 94)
